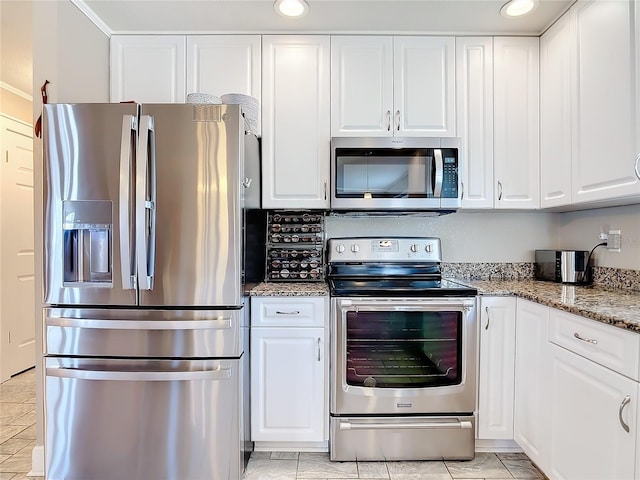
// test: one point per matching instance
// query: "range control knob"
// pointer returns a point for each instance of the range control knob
(340, 248)
(355, 248)
(414, 248)
(429, 248)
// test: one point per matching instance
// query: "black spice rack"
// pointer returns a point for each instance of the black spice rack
(295, 246)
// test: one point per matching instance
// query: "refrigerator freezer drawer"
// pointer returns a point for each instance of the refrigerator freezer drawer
(143, 333)
(142, 419)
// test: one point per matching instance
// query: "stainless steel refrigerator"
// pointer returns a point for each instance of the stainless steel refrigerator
(144, 324)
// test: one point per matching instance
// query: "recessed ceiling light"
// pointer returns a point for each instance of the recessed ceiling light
(517, 8)
(291, 8)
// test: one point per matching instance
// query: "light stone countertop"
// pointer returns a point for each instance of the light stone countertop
(290, 289)
(620, 308)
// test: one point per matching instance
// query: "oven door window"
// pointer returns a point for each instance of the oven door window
(410, 349)
(384, 173)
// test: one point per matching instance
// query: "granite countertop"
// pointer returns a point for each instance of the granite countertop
(290, 289)
(620, 308)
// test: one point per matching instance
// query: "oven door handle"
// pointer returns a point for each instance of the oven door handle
(458, 425)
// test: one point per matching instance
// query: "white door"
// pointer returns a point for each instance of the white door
(531, 412)
(220, 64)
(361, 86)
(606, 101)
(17, 275)
(288, 384)
(474, 116)
(556, 77)
(424, 86)
(497, 365)
(148, 68)
(516, 128)
(589, 440)
(296, 121)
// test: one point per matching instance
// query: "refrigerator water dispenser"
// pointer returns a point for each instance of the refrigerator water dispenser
(87, 243)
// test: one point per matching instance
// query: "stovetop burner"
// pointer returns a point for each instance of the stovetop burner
(390, 267)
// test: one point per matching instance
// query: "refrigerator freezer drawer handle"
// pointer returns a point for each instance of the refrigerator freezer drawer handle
(140, 376)
(214, 324)
(396, 426)
(129, 133)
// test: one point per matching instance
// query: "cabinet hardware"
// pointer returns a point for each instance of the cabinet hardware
(398, 120)
(636, 166)
(462, 191)
(292, 312)
(624, 403)
(588, 340)
(388, 120)
(499, 190)
(318, 348)
(325, 189)
(486, 309)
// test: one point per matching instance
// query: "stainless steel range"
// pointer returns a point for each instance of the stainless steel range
(403, 349)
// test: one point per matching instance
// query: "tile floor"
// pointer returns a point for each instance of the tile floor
(17, 439)
(17, 425)
(297, 466)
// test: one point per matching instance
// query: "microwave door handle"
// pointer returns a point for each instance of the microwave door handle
(127, 140)
(439, 166)
(145, 184)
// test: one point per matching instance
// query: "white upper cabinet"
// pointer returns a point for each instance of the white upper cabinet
(295, 121)
(148, 68)
(219, 64)
(556, 79)
(516, 122)
(606, 129)
(384, 86)
(474, 114)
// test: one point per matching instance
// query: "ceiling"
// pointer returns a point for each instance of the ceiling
(462, 17)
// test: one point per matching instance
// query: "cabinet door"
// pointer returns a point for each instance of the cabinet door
(497, 366)
(606, 101)
(424, 86)
(531, 413)
(516, 128)
(361, 86)
(296, 121)
(474, 87)
(288, 384)
(556, 76)
(220, 64)
(148, 68)
(589, 412)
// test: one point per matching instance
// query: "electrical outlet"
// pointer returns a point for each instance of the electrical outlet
(614, 240)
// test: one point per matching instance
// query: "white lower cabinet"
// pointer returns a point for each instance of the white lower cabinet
(289, 366)
(590, 408)
(496, 375)
(531, 414)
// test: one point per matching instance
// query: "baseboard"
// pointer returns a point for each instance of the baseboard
(37, 462)
(497, 446)
(291, 446)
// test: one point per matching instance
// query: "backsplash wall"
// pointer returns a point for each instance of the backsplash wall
(466, 236)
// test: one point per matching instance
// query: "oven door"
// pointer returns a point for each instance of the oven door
(403, 356)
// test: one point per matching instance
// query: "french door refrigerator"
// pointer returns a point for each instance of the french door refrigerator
(143, 321)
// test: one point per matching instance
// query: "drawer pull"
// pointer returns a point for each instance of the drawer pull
(292, 312)
(588, 340)
(486, 309)
(624, 403)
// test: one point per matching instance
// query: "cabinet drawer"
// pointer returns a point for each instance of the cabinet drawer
(288, 311)
(604, 344)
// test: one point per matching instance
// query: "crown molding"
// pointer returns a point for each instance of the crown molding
(15, 91)
(91, 15)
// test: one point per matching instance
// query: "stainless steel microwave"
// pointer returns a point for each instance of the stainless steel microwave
(395, 173)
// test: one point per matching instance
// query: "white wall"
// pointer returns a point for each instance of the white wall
(579, 230)
(73, 54)
(466, 236)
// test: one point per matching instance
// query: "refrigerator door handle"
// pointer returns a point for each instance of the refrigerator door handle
(217, 373)
(129, 133)
(212, 324)
(146, 203)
